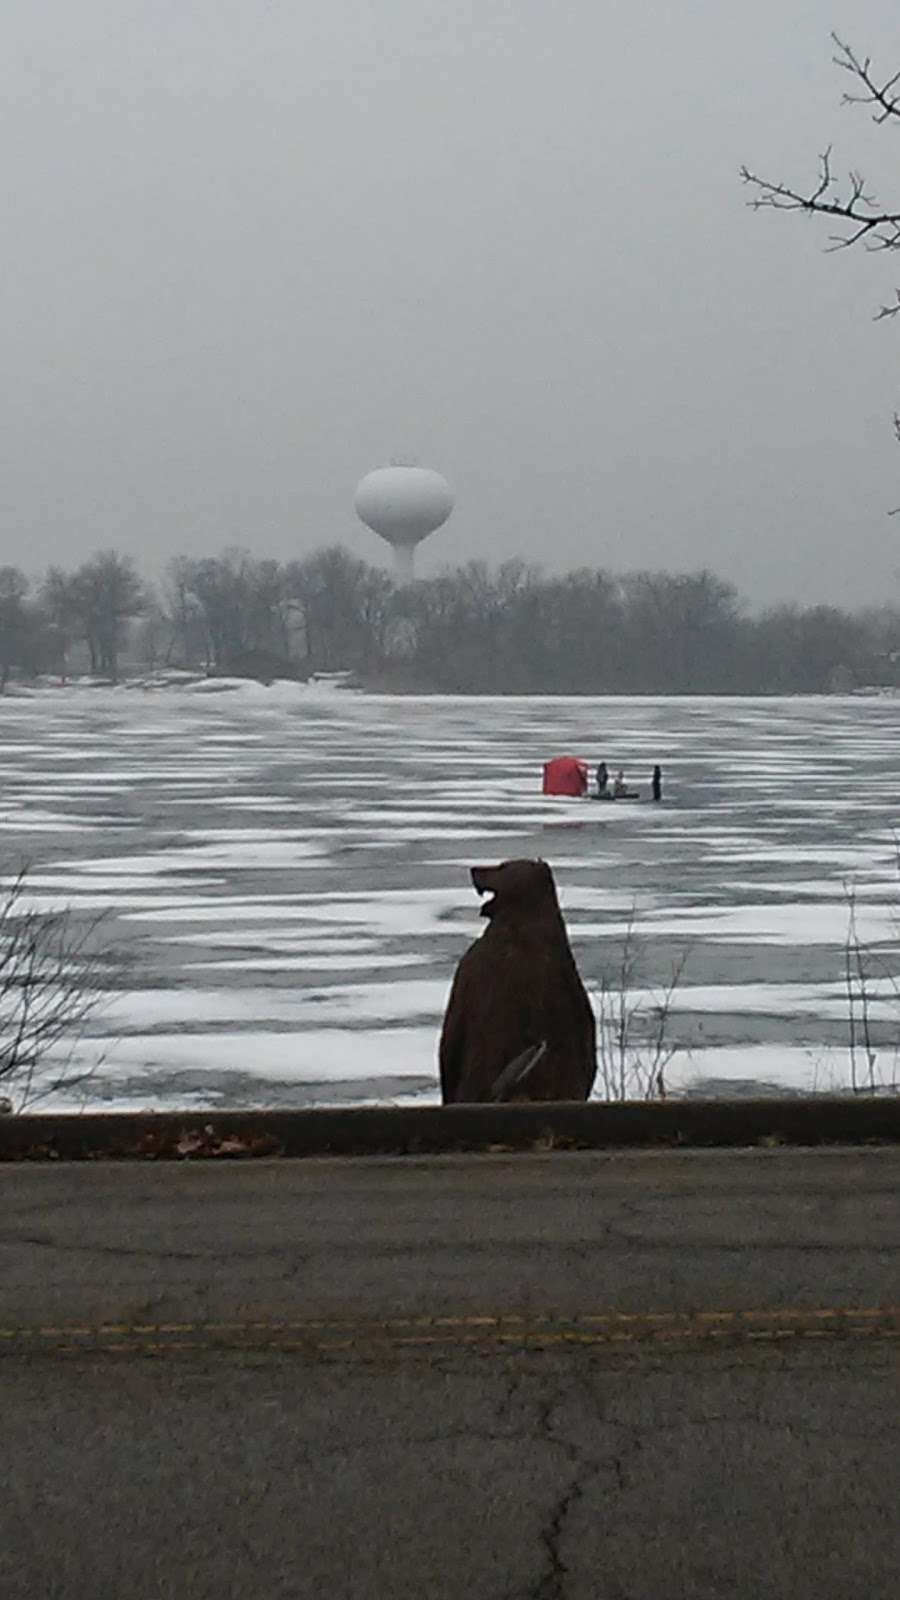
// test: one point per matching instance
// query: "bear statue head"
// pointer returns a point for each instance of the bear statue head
(516, 887)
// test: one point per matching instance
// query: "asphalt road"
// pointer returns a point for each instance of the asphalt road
(617, 1377)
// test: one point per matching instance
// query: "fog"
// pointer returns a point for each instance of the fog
(252, 250)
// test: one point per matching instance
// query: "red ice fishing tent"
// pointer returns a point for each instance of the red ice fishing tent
(565, 775)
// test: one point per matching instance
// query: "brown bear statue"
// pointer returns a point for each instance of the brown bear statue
(519, 1025)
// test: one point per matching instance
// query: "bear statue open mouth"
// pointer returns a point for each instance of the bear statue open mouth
(483, 882)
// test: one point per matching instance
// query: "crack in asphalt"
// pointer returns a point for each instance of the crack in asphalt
(551, 1584)
(584, 1250)
(72, 1247)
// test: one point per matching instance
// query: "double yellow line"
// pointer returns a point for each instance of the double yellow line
(336, 1335)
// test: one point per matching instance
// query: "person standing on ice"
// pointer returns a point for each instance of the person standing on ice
(602, 776)
(656, 783)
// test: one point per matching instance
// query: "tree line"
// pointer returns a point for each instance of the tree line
(474, 629)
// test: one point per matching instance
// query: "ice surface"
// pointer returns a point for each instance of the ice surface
(285, 873)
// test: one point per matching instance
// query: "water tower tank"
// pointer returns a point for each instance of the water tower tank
(404, 505)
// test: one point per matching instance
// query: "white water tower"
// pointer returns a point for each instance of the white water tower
(403, 505)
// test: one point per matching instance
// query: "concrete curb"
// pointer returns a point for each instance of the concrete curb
(391, 1130)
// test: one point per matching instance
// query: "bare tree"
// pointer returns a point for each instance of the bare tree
(344, 607)
(867, 221)
(229, 609)
(13, 620)
(106, 594)
(188, 626)
(51, 972)
(634, 1046)
(59, 600)
(153, 639)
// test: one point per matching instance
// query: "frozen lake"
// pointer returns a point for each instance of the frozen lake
(286, 872)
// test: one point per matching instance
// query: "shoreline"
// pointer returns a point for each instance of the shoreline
(435, 1130)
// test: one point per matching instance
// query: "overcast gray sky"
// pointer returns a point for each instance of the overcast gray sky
(253, 248)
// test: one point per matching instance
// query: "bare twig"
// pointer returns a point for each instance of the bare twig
(662, 1049)
(883, 96)
(51, 971)
(859, 984)
(857, 977)
(634, 1044)
(848, 982)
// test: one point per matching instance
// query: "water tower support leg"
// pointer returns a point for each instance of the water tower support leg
(404, 563)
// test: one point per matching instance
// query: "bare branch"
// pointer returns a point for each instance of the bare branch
(881, 96)
(879, 229)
